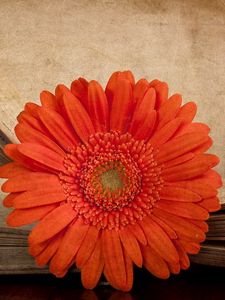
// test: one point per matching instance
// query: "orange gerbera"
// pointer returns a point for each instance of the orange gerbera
(114, 178)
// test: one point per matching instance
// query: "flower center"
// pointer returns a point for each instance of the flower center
(112, 181)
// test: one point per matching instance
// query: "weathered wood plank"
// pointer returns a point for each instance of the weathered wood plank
(16, 260)
(14, 256)
(211, 254)
(13, 237)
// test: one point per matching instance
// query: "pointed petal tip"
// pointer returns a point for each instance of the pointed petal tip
(9, 148)
(61, 89)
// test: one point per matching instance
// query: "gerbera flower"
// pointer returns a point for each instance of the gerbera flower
(113, 179)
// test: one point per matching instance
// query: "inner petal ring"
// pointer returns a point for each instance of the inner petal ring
(112, 181)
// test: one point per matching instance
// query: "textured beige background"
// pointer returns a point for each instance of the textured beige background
(43, 43)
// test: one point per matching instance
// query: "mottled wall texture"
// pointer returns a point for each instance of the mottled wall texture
(43, 43)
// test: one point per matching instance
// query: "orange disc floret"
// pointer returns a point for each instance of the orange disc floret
(112, 178)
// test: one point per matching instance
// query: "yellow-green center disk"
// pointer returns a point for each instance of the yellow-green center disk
(111, 180)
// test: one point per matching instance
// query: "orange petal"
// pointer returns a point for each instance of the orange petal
(112, 83)
(179, 160)
(36, 249)
(162, 135)
(174, 268)
(144, 116)
(140, 89)
(87, 246)
(170, 232)
(204, 147)
(44, 257)
(129, 273)
(78, 117)
(35, 123)
(39, 197)
(194, 127)
(187, 112)
(79, 89)
(201, 127)
(30, 181)
(183, 209)
(12, 169)
(92, 270)
(72, 241)
(58, 128)
(113, 257)
(213, 178)
(122, 106)
(53, 223)
(26, 134)
(180, 146)
(48, 100)
(142, 129)
(201, 224)
(199, 186)
(190, 247)
(42, 156)
(154, 263)
(184, 260)
(131, 245)
(32, 109)
(154, 82)
(61, 90)
(148, 101)
(159, 240)
(109, 277)
(8, 201)
(128, 75)
(192, 168)
(178, 194)
(11, 150)
(98, 107)
(20, 117)
(169, 110)
(183, 227)
(162, 90)
(62, 273)
(211, 204)
(138, 233)
(21, 217)
(110, 87)
(125, 287)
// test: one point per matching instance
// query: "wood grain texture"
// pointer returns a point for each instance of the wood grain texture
(211, 254)
(14, 257)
